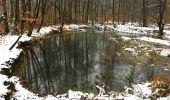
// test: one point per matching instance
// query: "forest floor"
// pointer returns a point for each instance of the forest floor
(138, 40)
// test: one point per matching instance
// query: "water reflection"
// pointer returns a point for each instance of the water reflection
(75, 61)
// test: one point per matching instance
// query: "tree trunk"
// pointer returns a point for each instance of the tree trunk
(23, 6)
(5, 16)
(11, 10)
(160, 19)
(35, 13)
(113, 11)
(144, 14)
(133, 11)
(16, 17)
(44, 3)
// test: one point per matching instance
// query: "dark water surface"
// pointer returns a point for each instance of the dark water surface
(76, 61)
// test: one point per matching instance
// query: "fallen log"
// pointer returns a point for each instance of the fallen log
(15, 43)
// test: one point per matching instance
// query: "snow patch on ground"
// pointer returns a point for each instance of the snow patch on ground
(165, 52)
(153, 40)
(45, 30)
(126, 38)
(74, 26)
(133, 29)
(129, 49)
(143, 90)
(3, 89)
(6, 54)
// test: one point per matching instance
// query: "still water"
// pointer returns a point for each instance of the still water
(77, 61)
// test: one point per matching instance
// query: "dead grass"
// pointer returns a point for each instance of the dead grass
(161, 85)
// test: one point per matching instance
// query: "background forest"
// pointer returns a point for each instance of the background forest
(30, 14)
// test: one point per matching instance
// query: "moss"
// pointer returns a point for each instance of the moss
(157, 57)
(82, 89)
(128, 56)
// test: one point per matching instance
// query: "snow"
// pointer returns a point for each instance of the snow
(140, 90)
(126, 38)
(3, 89)
(143, 89)
(129, 49)
(133, 29)
(165, 52)
(74, 26)
(76, 95)
(45, 30)
(6, 54)
(153, 40)
(113, 39)
(22, 93)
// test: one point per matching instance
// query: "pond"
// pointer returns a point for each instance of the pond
(77, 61)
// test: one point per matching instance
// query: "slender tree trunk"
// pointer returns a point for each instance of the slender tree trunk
(55, 13)
(123, 11)
(160, 19)
(144, 13)
(35, 13)
(11, 10)
(119, 11)
(133, 11)
(87, 11)
(23, 6)
(44, 3)
(75, 11)
(5, 17)
(16, 17)
(113, 11)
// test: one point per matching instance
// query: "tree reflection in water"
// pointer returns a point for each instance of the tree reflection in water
(75, 61)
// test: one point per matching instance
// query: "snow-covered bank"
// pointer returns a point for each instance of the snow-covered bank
(6, 54)
(3, 89)
(140, 91)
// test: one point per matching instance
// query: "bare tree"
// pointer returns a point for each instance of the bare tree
(160, 20)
